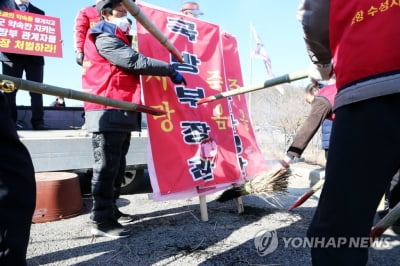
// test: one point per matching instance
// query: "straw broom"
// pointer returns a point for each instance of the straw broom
(275, 180)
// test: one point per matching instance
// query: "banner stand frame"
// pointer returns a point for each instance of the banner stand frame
(204, 212)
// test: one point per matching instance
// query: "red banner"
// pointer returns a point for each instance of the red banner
(250, 157)
(194, 148)
(29, 33)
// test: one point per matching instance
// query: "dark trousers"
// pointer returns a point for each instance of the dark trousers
(33, 72)
(109, 150)
(17, 192)
(362, 159)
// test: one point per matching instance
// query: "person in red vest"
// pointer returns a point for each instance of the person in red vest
(111, 68)
(85, 19)
(321, 101)
(359, 41)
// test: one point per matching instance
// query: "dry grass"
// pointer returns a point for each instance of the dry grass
(275, 180)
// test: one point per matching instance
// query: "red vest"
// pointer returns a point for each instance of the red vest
(329, 92)
(359, 28)
(102, 78)
(86, 19)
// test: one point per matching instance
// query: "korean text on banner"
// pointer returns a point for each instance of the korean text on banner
(193, 149)
(250, 157)
(29, 33)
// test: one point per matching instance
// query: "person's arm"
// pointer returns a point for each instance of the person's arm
(320, 109)
(123, 56)
(81, 27)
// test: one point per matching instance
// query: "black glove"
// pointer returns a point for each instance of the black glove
(177, 78)
(79, 58)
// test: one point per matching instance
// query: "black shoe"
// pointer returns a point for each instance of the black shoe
(110, 229)
(123, 217)
(40, 127)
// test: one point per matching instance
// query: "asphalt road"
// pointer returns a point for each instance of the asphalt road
(172, 233)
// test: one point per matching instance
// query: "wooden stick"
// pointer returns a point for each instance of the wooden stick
(307, 195)
(239, 205)
(135, 11)
(268, 83)
(389, 219)
(203, 208)
(10, 83)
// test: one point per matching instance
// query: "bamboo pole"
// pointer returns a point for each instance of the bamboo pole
(9, 83)
(268, 83)
(135, 11)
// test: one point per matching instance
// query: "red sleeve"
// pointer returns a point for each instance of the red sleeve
(81, 27)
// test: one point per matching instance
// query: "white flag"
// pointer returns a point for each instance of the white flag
(260, 52)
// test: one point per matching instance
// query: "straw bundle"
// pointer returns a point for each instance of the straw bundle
(267, 182)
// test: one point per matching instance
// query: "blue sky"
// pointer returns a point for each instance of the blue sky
(275, 22)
